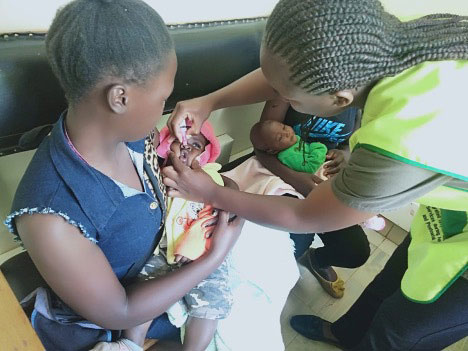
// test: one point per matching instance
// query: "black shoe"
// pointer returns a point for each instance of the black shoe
(311, 327)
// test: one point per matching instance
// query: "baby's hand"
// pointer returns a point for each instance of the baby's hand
(182, 259)
(335, 161)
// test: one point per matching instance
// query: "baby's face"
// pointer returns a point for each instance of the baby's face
(188, 153)
(277, 136)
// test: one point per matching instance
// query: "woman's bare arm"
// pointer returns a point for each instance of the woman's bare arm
(275, 110)
(79, 273)
(320, 212)
(303, 182)
(249, 89)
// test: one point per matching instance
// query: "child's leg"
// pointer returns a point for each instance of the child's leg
(137, 334)
(208, 302)
(122, 344)
(198, 333)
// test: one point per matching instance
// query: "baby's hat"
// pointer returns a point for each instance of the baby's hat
(212, 149)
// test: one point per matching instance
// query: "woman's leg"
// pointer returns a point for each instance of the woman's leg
(347, 247)
(137, 334)
(352, 326)
(350, 329)
(198, 333)
(302, 243)
(400, 324)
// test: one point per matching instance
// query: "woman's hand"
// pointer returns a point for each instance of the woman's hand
(335, 161)
(196, 110)
(225, 235)
(190, 184)
(306, 182)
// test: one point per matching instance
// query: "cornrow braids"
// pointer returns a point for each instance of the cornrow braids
(305, 129)
(331, 45)
(92, 39)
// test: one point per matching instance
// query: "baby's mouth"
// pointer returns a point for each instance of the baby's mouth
(184, 157)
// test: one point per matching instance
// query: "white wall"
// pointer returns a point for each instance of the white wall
(36, 15)
(409, 9)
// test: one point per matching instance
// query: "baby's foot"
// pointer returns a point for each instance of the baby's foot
(119, 345)
(375, 223)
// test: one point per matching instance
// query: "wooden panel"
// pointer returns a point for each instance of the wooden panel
(149, 343)
(16, 333)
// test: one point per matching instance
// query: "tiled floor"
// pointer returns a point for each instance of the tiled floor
(307, 297)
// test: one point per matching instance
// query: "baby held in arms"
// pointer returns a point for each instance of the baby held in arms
(277, 138)
(187, 235)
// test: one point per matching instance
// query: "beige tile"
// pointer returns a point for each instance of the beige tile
(372, 248)
(365, 274)
(388, 226)
(309, 291)
(464, 344)
(335, 308)
(360, 278)
(387, 246)
(374, 237)
(397, 235)
(301, 343)
(289, 310)
(308, 297)
(345, 273)
(377, 261)
(292, 307)
(287, 332)
(461, 345)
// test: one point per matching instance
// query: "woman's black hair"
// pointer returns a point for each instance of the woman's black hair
(331, 45)
(92, 39)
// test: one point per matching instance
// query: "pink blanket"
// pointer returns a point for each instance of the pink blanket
(253, 178)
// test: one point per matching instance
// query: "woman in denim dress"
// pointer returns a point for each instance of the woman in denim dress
(89, 208)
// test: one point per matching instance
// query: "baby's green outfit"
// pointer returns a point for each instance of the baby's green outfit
(303, 157)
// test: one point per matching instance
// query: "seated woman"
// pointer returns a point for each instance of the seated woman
(89, 209)
(276, 138)
(347, 247)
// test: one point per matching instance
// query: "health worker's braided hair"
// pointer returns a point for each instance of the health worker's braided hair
(331, 45)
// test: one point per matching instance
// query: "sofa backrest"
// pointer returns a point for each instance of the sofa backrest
(210, 55)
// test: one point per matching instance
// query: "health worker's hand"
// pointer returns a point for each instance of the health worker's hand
(195, 110)
(190, 184)
(335, 162)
